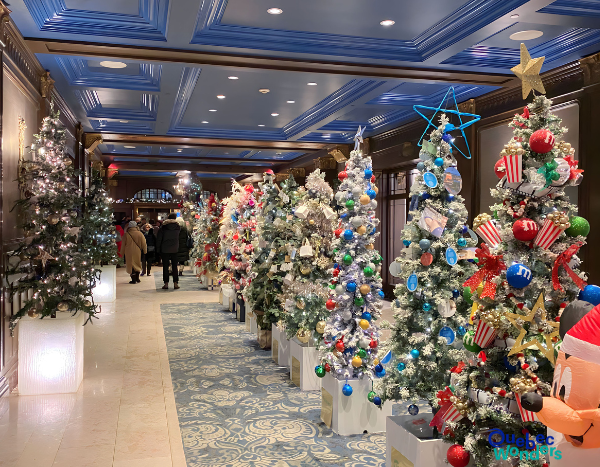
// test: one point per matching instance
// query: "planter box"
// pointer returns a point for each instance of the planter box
(231, 304)
(240, 308)
(280, 350)
(227, 293)
(302, 371)
(50, 354)
(264, 339)
(351, 415)
(106, 288)
(251, 323)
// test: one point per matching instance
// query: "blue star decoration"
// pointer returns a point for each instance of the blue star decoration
(358, 137)
(449, 127)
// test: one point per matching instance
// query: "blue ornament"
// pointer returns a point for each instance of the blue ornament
(455, 293)
(438, 161)
(450, 197)
(397, 302)
(401, 366)
(590, 294)
(424, 244)
(447, 138)
(344, 215)
(378, 368)
(413, 409)
(368, 174)
(414, 353)
(381, 293)
(366, 315)
(448, 333)
(336, 265)
(518, 276)
(412, 283)
(351, 287)
(348, 234)
(461, 331)
(406, 242)
(462, 242)
(509, 367)
(464, 229)
(420, 166)
(373, 231)
(451, 256)
(380, 374)
(430, 179)
(347, 390)
(387, 358)
(425, 195)
(371, 194)
(426, 306)
(377, 401)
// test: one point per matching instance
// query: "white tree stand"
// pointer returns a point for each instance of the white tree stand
(106, 288)
(351, 415)
(50, 354)
(227, 292)
(302, 369)
(280, 347)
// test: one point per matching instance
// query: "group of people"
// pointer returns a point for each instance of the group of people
(141, 243)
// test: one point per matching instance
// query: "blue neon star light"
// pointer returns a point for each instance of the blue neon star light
(449, 127)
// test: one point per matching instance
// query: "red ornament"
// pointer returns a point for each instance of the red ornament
(541, 141)
(339, 345)
(457, 456)
(336, 272)
(330, 304)
(236, 236)
(342, 175)
(249, 188)
(338, 232)
(525, 229)
(500, 168)
(327, 367)
(426, 259)
(372, 178)
(373, 344)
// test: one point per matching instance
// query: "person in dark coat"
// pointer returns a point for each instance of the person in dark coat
(183, 254)
(148, 258)
(167, 245)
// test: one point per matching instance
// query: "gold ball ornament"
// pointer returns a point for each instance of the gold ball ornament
(364, 199)
(320, 327)
(364, 324)
(361, 230)
(62, 306)
(67, 161)
(356, 361)
(375, 189)
(365, 289)
(303, 335)
(33, 314)
(87, 303)
(376, 362)
(305, 270)
(53, 219)
(370, 246)
(311, 222)
(300, 304)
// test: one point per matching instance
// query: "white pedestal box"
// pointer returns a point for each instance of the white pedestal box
(227, 293)
(50, 354)
(252, 320)
(570, 455)
(106, 288)
(302, 370)
(354, 414)
(280, 347)
(404, 449)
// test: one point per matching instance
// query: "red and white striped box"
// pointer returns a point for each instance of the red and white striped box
(485, 335)
(547, 235)
(526, 415)
(514, 168)
(452, 415)
(489, 233)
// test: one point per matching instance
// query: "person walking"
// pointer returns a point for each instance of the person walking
(134, 245)
(185, 244)
(167, 245)
(148, 258)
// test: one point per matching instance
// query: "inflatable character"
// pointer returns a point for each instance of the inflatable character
(573, 405)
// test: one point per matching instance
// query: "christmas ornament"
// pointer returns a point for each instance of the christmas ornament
(462, 242)
(53, 219)
(364, 199)
(525, 229)
(412, 282)
(401, 366)
(364, 289)
(430, 179)
(414, 353)
(342, 176)
(426, 259)
(424, 244)
(485, 227)
(330, 305)
(528, 71)
(338, 232)
(469, 342)
(438, 161)
(450, 255)
(446, 308)
(448, 334)
(368, 271)
(579, 227)
(452, 181)
(364, 324)
(356, 361)
(413, 409)
(303, 335)
(339, 345)
(457, 455)
(368, 174)
(541, 141)
(350, 204)
(347, 259)
(320, 371)
(591, 294)
(347, 390)
(361, 230)
(564, 259)
(554, 225)
(320, 328)
(426, 306)
(518, 276)
(362, 353)
(62, 306)
(489, 267)
(500, 168)
(348, 234)
(373, 344)
(371, 395)
(359, 301)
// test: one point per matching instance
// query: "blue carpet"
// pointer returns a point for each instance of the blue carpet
(237, 408)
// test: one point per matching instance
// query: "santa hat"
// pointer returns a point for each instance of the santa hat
(583, 339)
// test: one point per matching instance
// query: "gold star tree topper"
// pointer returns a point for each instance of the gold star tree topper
(528, 71)
(548, 349)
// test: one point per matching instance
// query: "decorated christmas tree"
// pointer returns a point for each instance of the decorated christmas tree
(98, 238)
(306, 291)
(528, 274)
(191, 202)
(206, 237)
(351, 338)
(49, 262)
(429, 309)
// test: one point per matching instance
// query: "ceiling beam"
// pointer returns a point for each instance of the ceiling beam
(166, 167)
(197, 57)
(185, 142)
(191, 159)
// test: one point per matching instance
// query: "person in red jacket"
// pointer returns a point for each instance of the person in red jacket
(120, 234)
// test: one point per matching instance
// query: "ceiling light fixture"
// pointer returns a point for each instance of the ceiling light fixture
(515, 16)
(109, 64)
(526, 35)
(274, 114)
(311, 83)
(264, 91)
(123, 121)
(212, 110)
(260, 125)
(278, 153)
(387, 22)
(232, 77)
(220, 96)
(204, 121)
(274, 11)
(291, 102)
(179, 150)
(129, 147)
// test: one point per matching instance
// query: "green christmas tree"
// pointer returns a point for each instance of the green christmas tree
(207, 237)
(49, 262)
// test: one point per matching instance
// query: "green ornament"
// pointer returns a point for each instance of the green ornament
(320, 371)
(359, 301)
(496, 215)
(335, 251)
(579, 227)
(368, 271)
(467, 296)
(350, 204)
(469, 342)
(362, 353)
(332, 286)
(371, 395)
(377, 259)
(347, 259)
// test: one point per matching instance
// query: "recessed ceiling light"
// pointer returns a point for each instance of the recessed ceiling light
(129, 147)
(179, 150)
(278, 153)
(274, 114)
(274, 11)
(204, 121)
(123, 121)
(109, 64)
(212, 110)
(233, 77)
(220, 96)
(311, 84)
(387, 22)
(526, 35)
(515, 16)
(264, 90)
(291, 102)
(326, 136)
(260, 125)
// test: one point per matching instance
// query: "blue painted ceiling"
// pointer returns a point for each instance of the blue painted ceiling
(173, 99)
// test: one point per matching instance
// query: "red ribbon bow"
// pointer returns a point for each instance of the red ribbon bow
(489, 267)
(563, 260)
(444, 396)
(573, 164)
(458, 368)
(525, 115)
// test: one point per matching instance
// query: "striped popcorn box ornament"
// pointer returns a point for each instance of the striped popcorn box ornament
(555, 224)
(452, 415)
(486, 229)
(526, 415)
(514, 168)
(485, 334)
